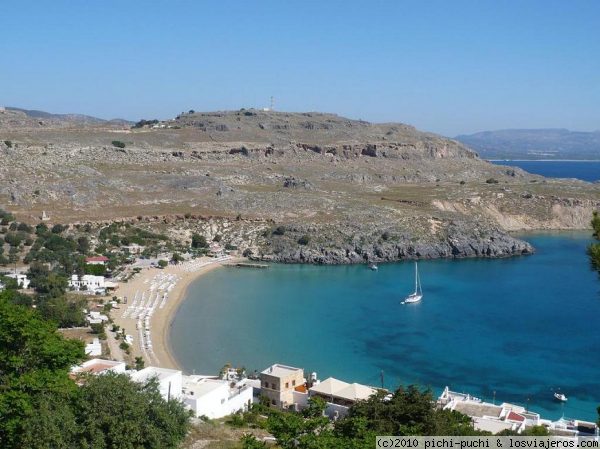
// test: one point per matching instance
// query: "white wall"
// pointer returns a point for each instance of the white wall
(217, 403)
(169, 381)
(175, 382)
(300, 399)
(331, 409)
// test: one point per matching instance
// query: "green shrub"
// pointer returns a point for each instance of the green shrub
(199, 241)
(492, 181)
(279, 230)
(118, 144)
(304, 240)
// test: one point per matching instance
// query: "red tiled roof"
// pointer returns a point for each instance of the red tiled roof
(515, 417)
(301, 388)
(97, 259)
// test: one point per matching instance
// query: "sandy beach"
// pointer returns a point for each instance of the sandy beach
(153, 296)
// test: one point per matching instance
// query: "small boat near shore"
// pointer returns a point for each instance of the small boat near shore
(560, 397)
(417, 295)
(373, 267)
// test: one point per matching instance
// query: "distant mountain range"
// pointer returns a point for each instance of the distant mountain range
(534, 144)
(73, 118)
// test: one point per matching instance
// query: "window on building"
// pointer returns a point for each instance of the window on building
(287, 385)
(273, 402)
(266, 385)
(273, 386)
(293, 383)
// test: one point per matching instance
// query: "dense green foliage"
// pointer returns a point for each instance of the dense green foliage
(199, 241)
(594, 248)
(118, 144)
(41, 407)
(34, 362)
(115, 412)
(95, 269)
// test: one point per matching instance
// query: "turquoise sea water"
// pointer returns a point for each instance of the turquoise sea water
(522, 327)
(584, 170)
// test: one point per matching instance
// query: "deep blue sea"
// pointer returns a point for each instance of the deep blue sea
(522, 327)
(584, 170)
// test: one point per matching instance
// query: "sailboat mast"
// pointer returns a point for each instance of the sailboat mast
(416, 277)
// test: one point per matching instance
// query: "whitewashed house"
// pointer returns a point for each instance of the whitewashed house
(169, 380)
(215, 398)
(22, 280)
(88, 282)
(94, 348)
(96, 317)
(134, 248)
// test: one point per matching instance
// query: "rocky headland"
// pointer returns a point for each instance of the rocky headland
(288, 187)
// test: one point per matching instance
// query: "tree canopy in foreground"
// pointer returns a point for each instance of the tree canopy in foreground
(42, 407)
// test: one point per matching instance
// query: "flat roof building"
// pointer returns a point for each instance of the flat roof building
(170, 381)
(278, 383)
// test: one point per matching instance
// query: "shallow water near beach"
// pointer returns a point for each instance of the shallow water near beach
(522, 327)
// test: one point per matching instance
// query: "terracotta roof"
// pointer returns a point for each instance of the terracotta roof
(96, 259)
(301, 388)
(515, 417)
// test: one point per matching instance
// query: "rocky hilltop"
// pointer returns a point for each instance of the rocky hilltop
(290, 187)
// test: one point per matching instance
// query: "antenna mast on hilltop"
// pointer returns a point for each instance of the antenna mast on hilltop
(272, 108)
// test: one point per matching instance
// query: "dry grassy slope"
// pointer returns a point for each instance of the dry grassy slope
(347, 179)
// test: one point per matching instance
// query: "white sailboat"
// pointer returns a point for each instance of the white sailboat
(418, 293)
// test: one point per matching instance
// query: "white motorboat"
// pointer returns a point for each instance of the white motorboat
(560, 396)
(417, 295)
(373, 267)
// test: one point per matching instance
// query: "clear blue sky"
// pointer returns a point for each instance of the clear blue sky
(445, 66)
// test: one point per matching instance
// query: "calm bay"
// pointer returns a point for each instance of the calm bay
(520, 327)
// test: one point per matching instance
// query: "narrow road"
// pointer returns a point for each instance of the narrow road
(113, 346)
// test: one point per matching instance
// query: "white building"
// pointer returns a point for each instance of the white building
(134, 248)
(216, 398)
(94, 348)
(22, 280)
(169, 380)
(495, 418)
(88, 282)
(96, 317)
(340, 395)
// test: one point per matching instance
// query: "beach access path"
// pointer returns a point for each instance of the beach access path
(153, 296)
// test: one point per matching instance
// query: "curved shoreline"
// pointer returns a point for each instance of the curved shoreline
(162, 319)
(165, 351)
